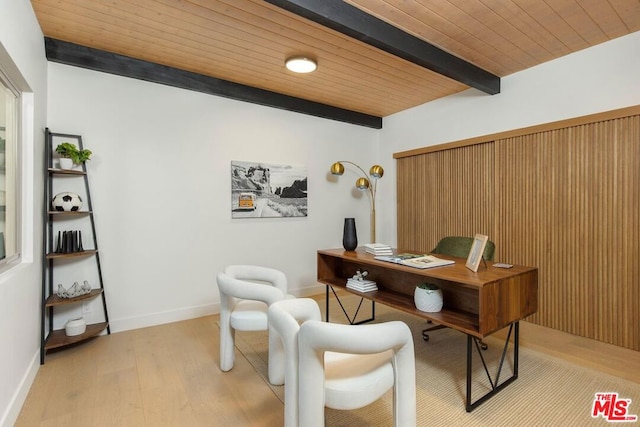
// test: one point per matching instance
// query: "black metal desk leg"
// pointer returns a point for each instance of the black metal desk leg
(351, 319)
(494, 382)
(326, 317)
(469, 371)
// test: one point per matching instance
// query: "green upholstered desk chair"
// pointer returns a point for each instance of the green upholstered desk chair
(458, 246)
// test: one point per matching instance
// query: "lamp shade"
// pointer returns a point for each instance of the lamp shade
(376, 171)
(337, 168)
(362, 183)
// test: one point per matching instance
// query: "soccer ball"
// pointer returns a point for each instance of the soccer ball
(66, 202)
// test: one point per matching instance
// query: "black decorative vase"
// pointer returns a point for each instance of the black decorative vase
(349, 237)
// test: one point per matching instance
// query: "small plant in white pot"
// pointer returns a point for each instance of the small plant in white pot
(71, 155)
(428, 297)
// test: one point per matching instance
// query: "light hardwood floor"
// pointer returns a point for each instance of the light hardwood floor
(165, 375)
(168, 375)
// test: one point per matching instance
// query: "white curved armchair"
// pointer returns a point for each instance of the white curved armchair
(246, 291)
(341, 366)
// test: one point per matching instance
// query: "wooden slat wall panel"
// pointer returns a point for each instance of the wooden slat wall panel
(447, 193)
(565, 200)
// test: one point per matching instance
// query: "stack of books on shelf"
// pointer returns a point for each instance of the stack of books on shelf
(362, 285)
(378, 249)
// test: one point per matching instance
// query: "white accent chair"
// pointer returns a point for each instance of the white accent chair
(341, 366)
(246, 291)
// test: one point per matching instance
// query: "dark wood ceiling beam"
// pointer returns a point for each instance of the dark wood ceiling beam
(353, 22)
(99, 60)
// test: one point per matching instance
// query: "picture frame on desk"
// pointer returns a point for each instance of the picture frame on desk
(475, 254)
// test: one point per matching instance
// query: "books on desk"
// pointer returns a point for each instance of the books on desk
(416, 260)
(399, 257)
(362, 285)
(427, 261)
(378, 249)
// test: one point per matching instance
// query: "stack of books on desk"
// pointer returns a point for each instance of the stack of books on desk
(378, 249)
(362, 285)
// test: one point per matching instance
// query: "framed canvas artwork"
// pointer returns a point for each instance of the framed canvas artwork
(263, 190)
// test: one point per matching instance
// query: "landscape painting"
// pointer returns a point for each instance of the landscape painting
(263, 190)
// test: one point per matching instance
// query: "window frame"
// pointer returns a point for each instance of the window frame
(22, 154)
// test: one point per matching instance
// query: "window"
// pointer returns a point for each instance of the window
(9, 160)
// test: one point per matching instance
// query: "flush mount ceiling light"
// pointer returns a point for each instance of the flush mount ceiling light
(301, 64)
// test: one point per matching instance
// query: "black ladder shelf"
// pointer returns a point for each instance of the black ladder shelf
(57, 249)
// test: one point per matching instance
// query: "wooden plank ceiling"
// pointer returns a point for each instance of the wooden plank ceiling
(247, 41)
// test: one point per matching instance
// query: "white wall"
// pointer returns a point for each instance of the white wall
(22, 39)
(161, 190)
(602, 78)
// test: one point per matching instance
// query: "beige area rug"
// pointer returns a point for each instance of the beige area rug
(548, 391)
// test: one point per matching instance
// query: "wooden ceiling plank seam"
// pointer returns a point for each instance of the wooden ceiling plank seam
(483, 32)
(411, 18)
(517, 17)
(549, 38)
(473, 48)
(383, 97)
(82, 56)
(514, 12)
(603, 15)
(540, 11)
(437, 28)
(343, 17)
(606, 17)
(629, 12)
(472, 33)
(580, 21)
(512, 34)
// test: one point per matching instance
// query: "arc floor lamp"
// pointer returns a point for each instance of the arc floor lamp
(364, 183)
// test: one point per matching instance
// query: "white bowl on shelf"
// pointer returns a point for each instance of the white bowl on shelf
(75, 327)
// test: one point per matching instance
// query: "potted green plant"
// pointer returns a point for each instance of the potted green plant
(428, 297)
(73, 154)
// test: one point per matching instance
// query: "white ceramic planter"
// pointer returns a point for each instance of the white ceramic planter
(428, 300)
(66, 163)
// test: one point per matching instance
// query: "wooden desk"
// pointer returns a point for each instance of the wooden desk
(477, 304)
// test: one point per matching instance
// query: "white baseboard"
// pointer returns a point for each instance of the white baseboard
(10, 415)
(120, 325)
(308, 291)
